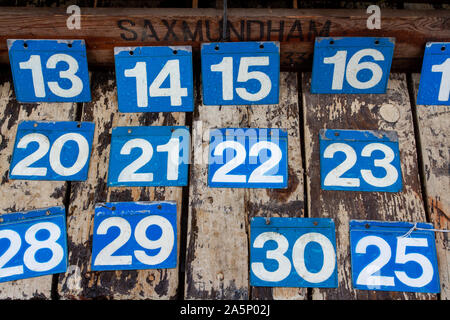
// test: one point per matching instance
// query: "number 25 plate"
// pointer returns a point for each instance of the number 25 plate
(385, 257)
(360, 160)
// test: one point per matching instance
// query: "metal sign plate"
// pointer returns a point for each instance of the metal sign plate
(240, 73)
(52, 150)
(293, 252)
(149, 156)
(351, 64)
(248, 158)
(434, 86)
(154, 79)
(360, 160)
(49, 70)
(386, 258)
(134, 235)
(33, 243)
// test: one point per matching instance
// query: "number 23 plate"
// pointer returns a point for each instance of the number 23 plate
(360, 160)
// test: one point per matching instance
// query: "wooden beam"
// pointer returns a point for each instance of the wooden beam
(296, 29)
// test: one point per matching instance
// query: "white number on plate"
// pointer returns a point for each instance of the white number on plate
(444, 88)
(129, 172)
(22, 168)
(353, 67)
(298, 257)
(171, 69)
(258, 175)
(367, 275)
(29, 259)
(165, 242)
(226, 68)
(334, 177)
(34, 64)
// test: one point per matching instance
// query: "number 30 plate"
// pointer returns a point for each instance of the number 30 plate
(360, 160)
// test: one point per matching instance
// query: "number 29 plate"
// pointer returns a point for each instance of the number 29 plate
(360, 160)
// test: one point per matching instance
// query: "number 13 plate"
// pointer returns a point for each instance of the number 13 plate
(360, 160)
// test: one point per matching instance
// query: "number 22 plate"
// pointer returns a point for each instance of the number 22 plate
(134, 235)
(49, 70)
(385, 258)
(33, 243)
(360, 160)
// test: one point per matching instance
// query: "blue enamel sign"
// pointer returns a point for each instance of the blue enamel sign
(134, 235)
(293, 252)
(387, 256)
(154, 79)
(240, 73)
(33, 243)
(351, 64)
(149, 156)
(49, 70)
(248, 158)
(360, 160)
(434, 87)
(52, 150)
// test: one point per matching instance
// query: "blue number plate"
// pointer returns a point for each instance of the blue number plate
(434, 87)
(52, 150)
(154, 79)
(49, 70)
(360, 160)
(240, 73)
(149, 156)
(387, 257)
(293, 252)
(33, 243)
(351, 65)
(248, 158)
(134, 235)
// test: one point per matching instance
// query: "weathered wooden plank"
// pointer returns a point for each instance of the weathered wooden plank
(280, 202)
(80, 282)
(390, 111)
(434, 138)
(217, 255)
(218, 223)
(296, 29)
(18, 195)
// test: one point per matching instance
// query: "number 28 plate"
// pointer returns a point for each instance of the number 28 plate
(134, 235)
(33, 243)
(248, 158)
(360, 160)
(385, 257)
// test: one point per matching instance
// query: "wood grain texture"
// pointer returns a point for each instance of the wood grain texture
(296, 29)
(218, 223)
(390, 111)
(80, 282)
(433, 123)
(18, 195)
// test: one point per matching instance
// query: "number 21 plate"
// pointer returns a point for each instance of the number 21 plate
(387, 256)
(360, 160)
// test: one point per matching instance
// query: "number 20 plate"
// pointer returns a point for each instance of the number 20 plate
(360, 160)
(52, 150)
(293, 252)
(134, 235)
(248, 158)
(49, 70)
(385, 257)
(33, 243)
